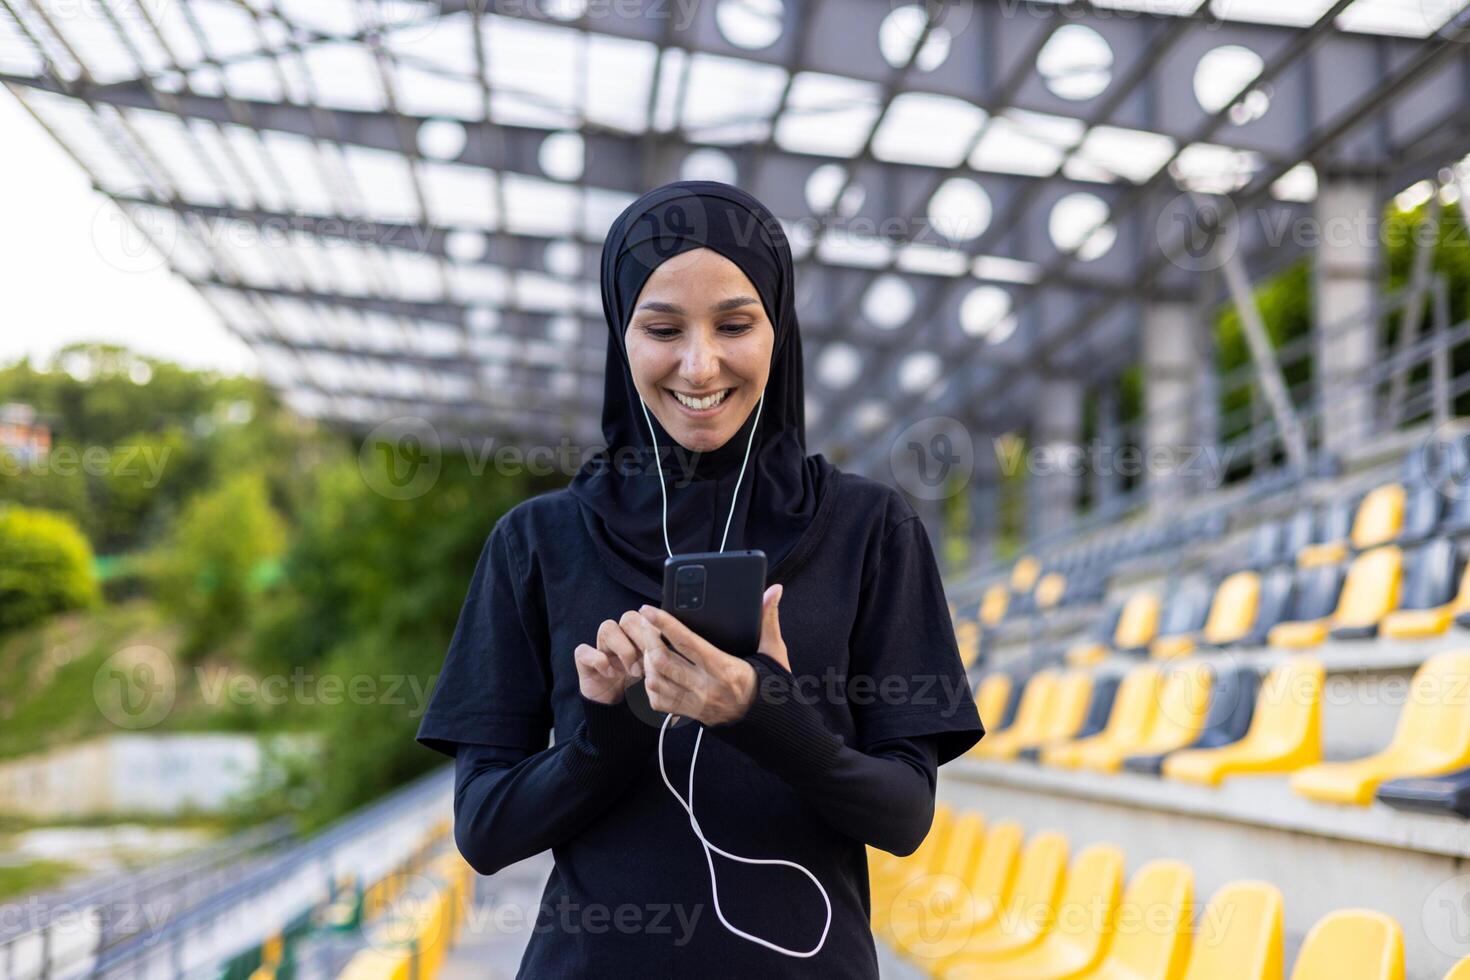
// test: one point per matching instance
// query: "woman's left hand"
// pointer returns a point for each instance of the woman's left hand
(705, 683)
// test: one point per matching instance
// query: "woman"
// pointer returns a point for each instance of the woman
(826, 739)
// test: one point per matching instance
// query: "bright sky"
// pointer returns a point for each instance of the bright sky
(72, 270)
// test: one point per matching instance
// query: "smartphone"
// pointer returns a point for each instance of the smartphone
(716, 594)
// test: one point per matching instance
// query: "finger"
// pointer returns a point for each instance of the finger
(612, 640)
(640, 631)
(670, 666)
(669, 696)
(596, 661)
(771, 618)
(693, 646)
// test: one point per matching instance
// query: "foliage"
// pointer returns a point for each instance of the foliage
(45, 566)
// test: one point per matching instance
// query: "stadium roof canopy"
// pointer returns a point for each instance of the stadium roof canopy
(398, 204)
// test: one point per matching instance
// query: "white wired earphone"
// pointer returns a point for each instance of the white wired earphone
(699, 736)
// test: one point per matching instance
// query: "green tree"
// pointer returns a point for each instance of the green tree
(208, 572)
(45, 566)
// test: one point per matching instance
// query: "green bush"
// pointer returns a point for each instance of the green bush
(45, 566)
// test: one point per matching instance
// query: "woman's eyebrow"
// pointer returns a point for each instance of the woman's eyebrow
(723, 306)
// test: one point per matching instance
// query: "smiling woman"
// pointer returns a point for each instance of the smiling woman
(822, 741)
(700, 366)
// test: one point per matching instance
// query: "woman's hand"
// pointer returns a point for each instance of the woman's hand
(697, 679)
(605, 672)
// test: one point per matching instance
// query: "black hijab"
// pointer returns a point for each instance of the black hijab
(784, 492)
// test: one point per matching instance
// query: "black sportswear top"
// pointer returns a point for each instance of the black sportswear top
(839, 752)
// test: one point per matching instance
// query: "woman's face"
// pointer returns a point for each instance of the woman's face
(699, 344)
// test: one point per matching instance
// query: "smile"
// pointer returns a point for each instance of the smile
(701, 406)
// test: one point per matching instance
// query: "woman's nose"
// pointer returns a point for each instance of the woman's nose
(701, 363)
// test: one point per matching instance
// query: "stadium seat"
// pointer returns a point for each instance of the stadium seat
(1432, 737)
(994, 604)
(1422, 512)
(1265, 546)
(1299, 531)
(1232, 703)
(1138, 623)
(1050, 589)
(1094, 718)
(1072, 942)
(994, 695)
(1021, 916)
(1330, 546)
(1456, 519)
(1239, 935)
(1182, 703)
(1370, 592)
(1277, 595)
(1099, 645)
(1032, 718)
(1128, 722)
(1447, 794)
(1151, 935)
(1460, 971)
(1428, 603)
(1284, 735)
(1064, 715)
(1024, 574)
(1183, 618)
(1352, 944)
(1232, 613)
(950, 872)
(1093, 880)
(970, 908)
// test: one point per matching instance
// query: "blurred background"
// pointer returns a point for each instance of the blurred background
(1154, 309)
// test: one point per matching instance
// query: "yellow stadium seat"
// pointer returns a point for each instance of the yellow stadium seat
(967, 638)
(1413, 624)
(994, 603)
(1238, 936)
(992, 699)
(1033, 715)
(1352, 944)
(1182, 704)
(1128, 722)
(1024, 915)
(1231, 617)
(1077, 939)
(1138, 623)
(1460, 971)
(1049, 590)
(1086, 654)
(1024, 574)
(1376, 522)
(1285, 732)
(1432, 737)
(1151, 930)
(891, 874)
(1370, 593)
(946, 927)
(1068, 708)
(936, 890)
(1233, 612)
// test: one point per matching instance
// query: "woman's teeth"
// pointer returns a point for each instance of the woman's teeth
(700, 404)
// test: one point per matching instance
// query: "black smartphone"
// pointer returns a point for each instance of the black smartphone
(716, 594)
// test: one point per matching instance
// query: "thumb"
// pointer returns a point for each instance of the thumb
(771, 618)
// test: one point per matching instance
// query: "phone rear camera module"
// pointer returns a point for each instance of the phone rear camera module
(689, 587)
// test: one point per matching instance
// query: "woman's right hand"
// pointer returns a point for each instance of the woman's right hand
(606, 671)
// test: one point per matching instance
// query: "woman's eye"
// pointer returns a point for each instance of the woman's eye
(662, 333)
(735, 329)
